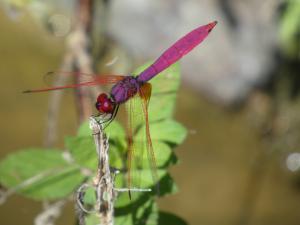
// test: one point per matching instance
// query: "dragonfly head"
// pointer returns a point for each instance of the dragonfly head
(104, 104)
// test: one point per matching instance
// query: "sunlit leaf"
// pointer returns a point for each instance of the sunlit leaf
(164, 91)
(141, 180)
(145, 213)
(92, 219)
(19, 3)
(139, 213)
(39, 174)
(83, 151)
(290, 28)
(114, 131)
(169, 131)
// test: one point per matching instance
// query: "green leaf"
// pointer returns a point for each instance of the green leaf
(117, 135)
(19, 3)
(167, 185)
(141, 179)
(84, 130)
(164, 91)
(83, 151)
(144, 212)
(168, 131)
(114, 131)
(290, 28)
(90, 196)
(92, 219)
(115, 157)
(40, 174)
(166, 218)
(162, 152)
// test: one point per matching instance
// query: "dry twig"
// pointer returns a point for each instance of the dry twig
(103, 181)
(50, 213)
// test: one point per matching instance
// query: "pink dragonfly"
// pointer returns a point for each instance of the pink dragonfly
(126, 87)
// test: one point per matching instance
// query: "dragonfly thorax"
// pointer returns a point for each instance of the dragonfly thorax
(104, 104)
(125, 89)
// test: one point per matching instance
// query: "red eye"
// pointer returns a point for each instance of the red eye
(104, 104)
(102, 97)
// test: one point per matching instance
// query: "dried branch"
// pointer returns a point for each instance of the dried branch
(103, 181)
(50, 213)
(80, 41)
(78, 58)
(54, 102)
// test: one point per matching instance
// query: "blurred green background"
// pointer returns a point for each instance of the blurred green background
(240, 162)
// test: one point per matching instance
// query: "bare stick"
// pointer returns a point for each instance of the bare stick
(50, 213)
(81, 42)
(103, 181)
(78, 57)
(54, 102)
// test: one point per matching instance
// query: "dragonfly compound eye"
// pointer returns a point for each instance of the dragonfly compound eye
(104, 104)
(102, 97)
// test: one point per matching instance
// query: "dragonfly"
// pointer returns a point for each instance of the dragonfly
(126, 87)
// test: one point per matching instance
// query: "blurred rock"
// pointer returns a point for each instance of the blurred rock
(238, 54)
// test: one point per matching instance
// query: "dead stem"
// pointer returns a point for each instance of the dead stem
(78, 58)
(50, 213)
(54, 102)
(103, 181)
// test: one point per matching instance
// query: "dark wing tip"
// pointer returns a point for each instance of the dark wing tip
(27, 91)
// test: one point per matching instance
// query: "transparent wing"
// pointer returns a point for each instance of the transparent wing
(145, 94)
(164, 92)
(141, 167)
(135, 152)
(75, 80)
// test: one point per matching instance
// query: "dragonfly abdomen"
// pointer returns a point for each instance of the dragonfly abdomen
(177, 51)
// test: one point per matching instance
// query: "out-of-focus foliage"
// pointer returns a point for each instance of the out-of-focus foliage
(46, 13)
(49, 174)
(18, 3)
(290, 28)
(40, 174)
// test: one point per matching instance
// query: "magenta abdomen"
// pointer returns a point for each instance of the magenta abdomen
(176, 51)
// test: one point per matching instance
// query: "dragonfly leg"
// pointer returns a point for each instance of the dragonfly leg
(108, 120)
(113, 116)
(96, 118)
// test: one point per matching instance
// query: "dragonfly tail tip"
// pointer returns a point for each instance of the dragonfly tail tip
(211, 25)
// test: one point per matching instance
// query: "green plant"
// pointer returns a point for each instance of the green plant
(53, 174)
(289, 30)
